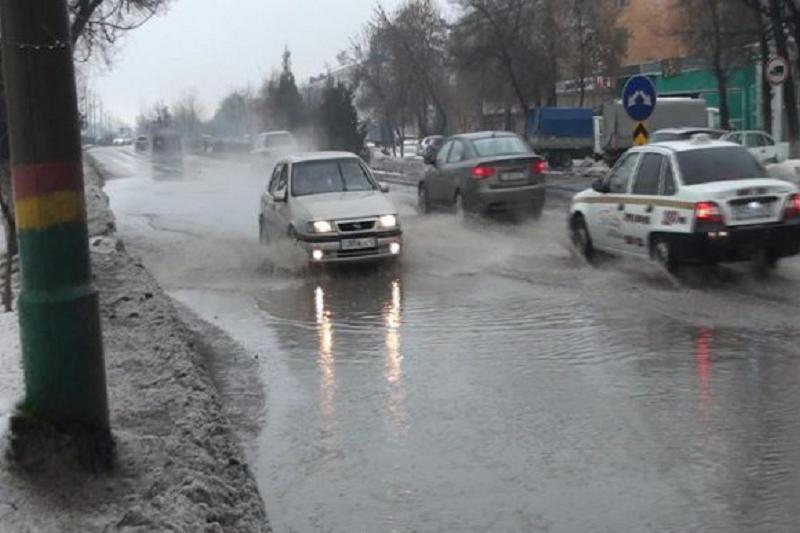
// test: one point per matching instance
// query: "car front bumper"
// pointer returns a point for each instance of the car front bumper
(332, 251)
(738, 243)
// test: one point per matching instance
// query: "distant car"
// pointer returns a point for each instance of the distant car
(167, 143)
(683, 134)
(700, 201)
(271, 145)
(332, 206)
(141, 144)
(761, 144)
(484, 172)
(430, 145)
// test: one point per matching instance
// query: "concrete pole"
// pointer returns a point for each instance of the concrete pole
(62, 350)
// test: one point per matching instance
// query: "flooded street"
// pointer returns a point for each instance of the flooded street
(490, 381)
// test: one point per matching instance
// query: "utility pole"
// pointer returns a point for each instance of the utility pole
(62, 350)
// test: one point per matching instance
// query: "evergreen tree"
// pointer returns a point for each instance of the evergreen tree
(339, 120)
(283, 104)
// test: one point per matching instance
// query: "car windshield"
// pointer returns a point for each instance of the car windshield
(507, 145)
(321, 177)
(718, 164)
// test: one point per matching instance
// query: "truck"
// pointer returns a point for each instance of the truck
(615, 131)
(561, 134)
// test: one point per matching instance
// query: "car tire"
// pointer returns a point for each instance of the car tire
(765, 262)
(263, 236)
(458, 207)
(582, 239)
(423, 204)
(663, 254)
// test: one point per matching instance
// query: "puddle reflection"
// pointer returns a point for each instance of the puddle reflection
(325, 358)
(393, 365)
(702, 353)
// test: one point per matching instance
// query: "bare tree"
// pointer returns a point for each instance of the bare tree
(723, 33)
(498, 36)
(96, 25)
(416, 38)
(599, 44)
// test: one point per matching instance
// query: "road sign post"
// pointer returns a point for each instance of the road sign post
(639, 99)
(640, 135)
(62, 351)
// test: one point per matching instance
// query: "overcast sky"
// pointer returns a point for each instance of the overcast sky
(213, 46)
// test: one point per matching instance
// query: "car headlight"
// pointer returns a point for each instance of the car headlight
(387, 221)
(322, 226)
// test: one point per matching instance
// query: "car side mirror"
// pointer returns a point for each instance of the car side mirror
(600, 186)
(280, 196)
(430, 159)
(384, 187)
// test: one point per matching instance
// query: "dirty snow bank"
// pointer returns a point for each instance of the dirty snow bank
(414, 168)
(178, 466)
(788, 170)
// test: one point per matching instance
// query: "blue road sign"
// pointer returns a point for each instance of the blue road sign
(639, 98)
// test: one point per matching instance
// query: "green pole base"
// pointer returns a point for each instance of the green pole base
(39, 445)
(62, 355)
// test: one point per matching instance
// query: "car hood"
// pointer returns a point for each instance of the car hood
(342, 205)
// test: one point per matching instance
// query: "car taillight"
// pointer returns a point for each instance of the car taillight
(792, 209)
(707, 212)
(538, 166)
(482, 172)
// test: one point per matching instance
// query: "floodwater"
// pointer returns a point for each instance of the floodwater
(489, 382)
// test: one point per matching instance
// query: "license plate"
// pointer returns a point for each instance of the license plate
(359, 244)
(752, 210)
(512, 176)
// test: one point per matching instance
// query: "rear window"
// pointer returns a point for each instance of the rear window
(508, 145)
(278, 139)
(320, 177)
(718, 164)
(664, 137)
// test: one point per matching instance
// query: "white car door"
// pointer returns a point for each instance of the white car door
(756, 143)
(605, 213)
(275, 207)
(771, 147)
(641, 208)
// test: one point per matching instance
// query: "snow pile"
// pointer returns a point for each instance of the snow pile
(788, 170)
(588, 167)
(178, 466)
(413, 168)
(10, 367)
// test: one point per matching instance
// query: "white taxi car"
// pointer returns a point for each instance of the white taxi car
(332, 206)
(698, 201)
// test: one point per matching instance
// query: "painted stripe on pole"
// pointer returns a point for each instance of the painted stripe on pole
(43, 212)
(45, 179)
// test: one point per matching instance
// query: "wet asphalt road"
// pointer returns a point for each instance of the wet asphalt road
(491, 382)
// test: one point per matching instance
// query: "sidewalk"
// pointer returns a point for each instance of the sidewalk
(179, 467)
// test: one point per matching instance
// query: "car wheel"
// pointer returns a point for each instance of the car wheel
(422, 201)
(263, 236)
(581, 239)
(663, 254)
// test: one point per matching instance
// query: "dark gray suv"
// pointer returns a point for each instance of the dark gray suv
(482, 173)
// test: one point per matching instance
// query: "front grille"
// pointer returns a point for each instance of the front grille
(359, 225)
(356, 253)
